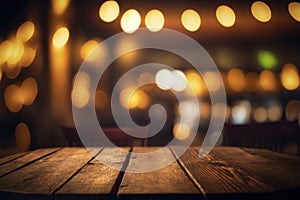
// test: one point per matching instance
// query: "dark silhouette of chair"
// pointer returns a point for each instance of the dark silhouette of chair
(116, 135)
(272, 135)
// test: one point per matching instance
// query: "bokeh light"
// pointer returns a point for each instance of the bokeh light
(191, 20)
(236, 80)
(101, 99)
(87, 48)
(109, 11)
(195, 82)
(267, 80)
(275, 112)
(59, 6)
(225, 15)
(154, 20)
(130, 21)
(240, 113)
(29, 91)
(28, 57)
(164, 79)
(22, 136)
(13, 98)
(13, 71)
(292, 110)
(261, 11)
(179, 81)
(80, 96)
(266, 59)
(82, 80)
(130, 98)
(5, 49)
(289, 77)
(17, 51)
(294, 10)
(260, 114)
(60, 37)
(0, 74)
(181, 131)
(25, 31)
(212, 80)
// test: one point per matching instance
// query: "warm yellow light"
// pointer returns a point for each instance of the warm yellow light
(5, 51)
(22, 136)
(109, 11)
(154, 20)
(212, 81)
(28, 57)
(261, 11)
(267, 80)
(59, 6)
(12, 71)
(82, 80)
(29, 91)
(80, 96)
(195, 82)
(17, 51)
(289, 77)
(25, 31)
(87, 48)
(181, 131)
(130, 21)
(0, 74)
(131, 98)
(225, 16)
(60, 37)
(100, 99)
(191, 20)
(294, 9)
(236, 80)
(13, 98)
(260, 114)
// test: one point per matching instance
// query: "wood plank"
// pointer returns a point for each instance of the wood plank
(24, 160)
(95, 180)
(167, 183)
(218, 178)
(275, 172)
(11, 157)
(44, 176)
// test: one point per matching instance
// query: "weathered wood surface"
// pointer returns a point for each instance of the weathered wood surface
(44, 176)
(73, 173)
(25, 160)
(162, 183)
(95, 180)
(11, 157)
(217, 177)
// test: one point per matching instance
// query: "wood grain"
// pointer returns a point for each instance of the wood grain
(218, 178)
(44, 176)
(167, 183)
(95, 180)
(279, 174)
(11, 157)
(25, 160)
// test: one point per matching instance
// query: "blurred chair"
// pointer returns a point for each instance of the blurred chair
(116, 135)
(272, 135)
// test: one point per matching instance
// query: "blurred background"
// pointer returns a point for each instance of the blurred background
(255, 45)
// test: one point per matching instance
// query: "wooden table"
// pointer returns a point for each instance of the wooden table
(226, 173)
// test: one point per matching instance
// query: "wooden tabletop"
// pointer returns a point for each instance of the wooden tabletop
(226, 173)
